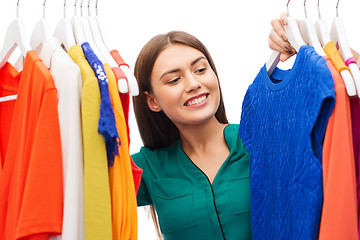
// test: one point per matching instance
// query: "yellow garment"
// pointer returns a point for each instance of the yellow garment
(122, 187)
(97, 203)
(332, 52)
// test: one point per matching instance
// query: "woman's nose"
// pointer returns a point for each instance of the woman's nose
(192, 83)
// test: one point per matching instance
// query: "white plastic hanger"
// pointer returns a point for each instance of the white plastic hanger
(41, 31)
(338, 35)
(40, 34)
(15, 37)
(64, 31)
(88, 35)
(324, 38)
(131, 81)
(295, 39)
(309, 35)
(77, 27)
(122, 83)
(98, 40)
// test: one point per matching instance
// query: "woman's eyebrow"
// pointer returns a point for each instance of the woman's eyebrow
(178, 69)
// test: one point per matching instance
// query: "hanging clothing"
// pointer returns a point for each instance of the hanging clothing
(31, 180)
(97, 202)
(67, 78)
(355, 121)
(187, 204)
(125, 97)
(124, 212)
(125, 100)
(339, 212)
(331, 51)
(107, 126)
(283, 123)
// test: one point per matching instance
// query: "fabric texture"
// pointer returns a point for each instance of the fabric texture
(31, 186)
(107, 126)
(339, 212)
(187, 204)
(124, 212)
(97, 201)
(283, 122)
(355, 123)
(67, 79)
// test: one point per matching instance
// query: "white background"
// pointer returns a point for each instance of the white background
(234, 31)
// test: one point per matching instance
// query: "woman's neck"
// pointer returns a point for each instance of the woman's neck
(202, 137)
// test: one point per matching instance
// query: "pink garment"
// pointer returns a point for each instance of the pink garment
(355, 121)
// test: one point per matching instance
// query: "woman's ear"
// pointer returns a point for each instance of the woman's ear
(152, 103)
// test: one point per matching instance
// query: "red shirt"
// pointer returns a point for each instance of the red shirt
(31, 190)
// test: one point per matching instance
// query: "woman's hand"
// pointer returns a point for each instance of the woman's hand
(278, 39)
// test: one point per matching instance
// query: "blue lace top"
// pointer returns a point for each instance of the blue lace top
(107, 125)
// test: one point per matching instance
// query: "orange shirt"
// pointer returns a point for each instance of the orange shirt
(31, 185)
(137, 172)
(123, 197)
(339, 213)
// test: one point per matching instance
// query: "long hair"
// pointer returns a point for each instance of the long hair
(156, 129)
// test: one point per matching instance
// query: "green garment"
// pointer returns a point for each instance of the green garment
(188, 206)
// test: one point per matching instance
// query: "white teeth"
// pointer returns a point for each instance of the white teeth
(196, 101)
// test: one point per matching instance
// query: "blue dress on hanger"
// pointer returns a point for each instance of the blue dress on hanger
(283, 123)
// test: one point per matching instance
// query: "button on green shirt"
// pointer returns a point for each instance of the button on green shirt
(188, 206)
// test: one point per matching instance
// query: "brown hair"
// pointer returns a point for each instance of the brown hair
(156, 129)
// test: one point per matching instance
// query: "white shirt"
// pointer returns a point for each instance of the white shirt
(67, 78)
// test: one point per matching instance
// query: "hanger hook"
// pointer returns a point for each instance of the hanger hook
(75, 4)
(65, 9)
(318, 6)
(81, 8)
(337, 8)
(306, 16)
(44, 9)
(96, 8)
(17, 9)
(89, 8)
(287, 7)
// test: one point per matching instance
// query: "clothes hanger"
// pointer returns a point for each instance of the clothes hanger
(309, 35)
(324, 38)
(40, 34)
(131, 81)
(338, 35)
(41, 31)
(295, 39)
(88, 35)
(77, 27)
(99, 40)
(15, 37)
(64, 31)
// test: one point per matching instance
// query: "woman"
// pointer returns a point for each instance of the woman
(195, 166)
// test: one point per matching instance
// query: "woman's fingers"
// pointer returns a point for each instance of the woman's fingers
(279, 29)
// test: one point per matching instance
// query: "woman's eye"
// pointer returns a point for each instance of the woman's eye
(200, 70)
(173, 81)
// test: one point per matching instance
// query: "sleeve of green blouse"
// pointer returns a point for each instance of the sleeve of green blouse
(143, 196)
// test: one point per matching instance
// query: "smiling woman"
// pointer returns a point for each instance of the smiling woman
(195, 167)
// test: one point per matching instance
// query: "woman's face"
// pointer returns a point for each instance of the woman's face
(184, 86)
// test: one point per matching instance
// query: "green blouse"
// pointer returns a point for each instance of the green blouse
(188, 206)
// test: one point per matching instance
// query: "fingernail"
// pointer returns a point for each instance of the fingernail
(284, 37)
(288, 49)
